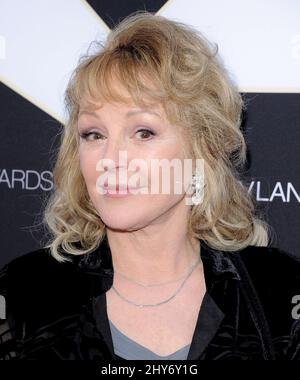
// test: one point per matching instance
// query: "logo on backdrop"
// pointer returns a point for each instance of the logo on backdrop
(281, 191)
(26, 179)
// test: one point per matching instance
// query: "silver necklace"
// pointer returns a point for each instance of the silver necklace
(153, 285)
(162, 302)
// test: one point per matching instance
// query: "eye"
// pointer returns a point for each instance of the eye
(91, 136)
(146, 132)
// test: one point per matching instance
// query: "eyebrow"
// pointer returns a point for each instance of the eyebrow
(128, 114)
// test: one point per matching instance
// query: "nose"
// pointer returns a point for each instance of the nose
(112, 150)
(115, 162)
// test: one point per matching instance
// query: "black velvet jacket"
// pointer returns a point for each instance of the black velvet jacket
(58, 310)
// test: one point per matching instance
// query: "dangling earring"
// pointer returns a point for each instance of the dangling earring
(197, 186)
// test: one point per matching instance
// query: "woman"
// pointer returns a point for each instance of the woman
(183, 274)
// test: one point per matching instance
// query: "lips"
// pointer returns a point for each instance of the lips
(118, 187)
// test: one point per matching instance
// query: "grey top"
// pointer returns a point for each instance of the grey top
(131, 350)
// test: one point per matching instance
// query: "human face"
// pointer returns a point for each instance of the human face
(146, 135)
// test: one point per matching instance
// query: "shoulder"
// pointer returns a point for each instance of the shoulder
(271, 269)
(274, 274)
(272, 255)
(40, 267)
(269, 263)
(269, 274)
(270, 285)
(34, 272)
(38, 289)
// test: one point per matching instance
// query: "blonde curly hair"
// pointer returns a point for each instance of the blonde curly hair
(197, 94)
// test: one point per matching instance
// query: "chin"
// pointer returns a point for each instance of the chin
(124, 220)
(126, 226)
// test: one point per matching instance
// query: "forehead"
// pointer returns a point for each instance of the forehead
(125, 111)
(125, 106)
(112, 87)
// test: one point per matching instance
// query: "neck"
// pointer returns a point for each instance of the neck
(161, 250)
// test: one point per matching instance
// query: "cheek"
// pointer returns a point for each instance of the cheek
(168, 148)
(88, 163)
(167, 151)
